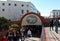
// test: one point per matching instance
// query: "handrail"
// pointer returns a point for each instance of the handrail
(42, 34)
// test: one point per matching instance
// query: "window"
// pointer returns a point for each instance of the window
(22, 11)
(3, 3)
(3, 9)
(53, 14)
(27, 5)
(15, 4)
(56, 14)
(27, 10)
(9, 4)
(22, 5)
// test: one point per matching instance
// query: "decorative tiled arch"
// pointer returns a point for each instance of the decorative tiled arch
(29, 14)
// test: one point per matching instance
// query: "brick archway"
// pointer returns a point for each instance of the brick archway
(29, 14)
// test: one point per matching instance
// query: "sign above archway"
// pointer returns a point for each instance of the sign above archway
(31, 18)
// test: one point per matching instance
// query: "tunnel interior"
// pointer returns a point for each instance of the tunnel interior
(35, 29)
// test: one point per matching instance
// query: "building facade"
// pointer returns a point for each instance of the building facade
(14, 10)
(55, 14)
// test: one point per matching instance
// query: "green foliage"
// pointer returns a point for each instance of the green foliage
(3, 23)
(5, 26)
(3, 20)
(14, 26)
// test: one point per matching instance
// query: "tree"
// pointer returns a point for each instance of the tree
(3, 23)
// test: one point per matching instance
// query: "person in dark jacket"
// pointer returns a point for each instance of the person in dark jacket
(18, 34)
(51, 25)
(56, 23)
(10, 36)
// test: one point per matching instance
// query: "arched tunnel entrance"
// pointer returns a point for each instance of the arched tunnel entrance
(35, 29)
(33, 22)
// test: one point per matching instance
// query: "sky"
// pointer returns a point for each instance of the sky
(45, 6)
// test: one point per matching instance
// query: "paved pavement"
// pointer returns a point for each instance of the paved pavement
(54, 29)
(52, 35)
(58, 30)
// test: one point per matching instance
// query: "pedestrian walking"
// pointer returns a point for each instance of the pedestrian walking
(10, 36)
(15, 38)
(29, 33)
(51, 25)
(22, 34)
(56, 23)
(18, 35)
